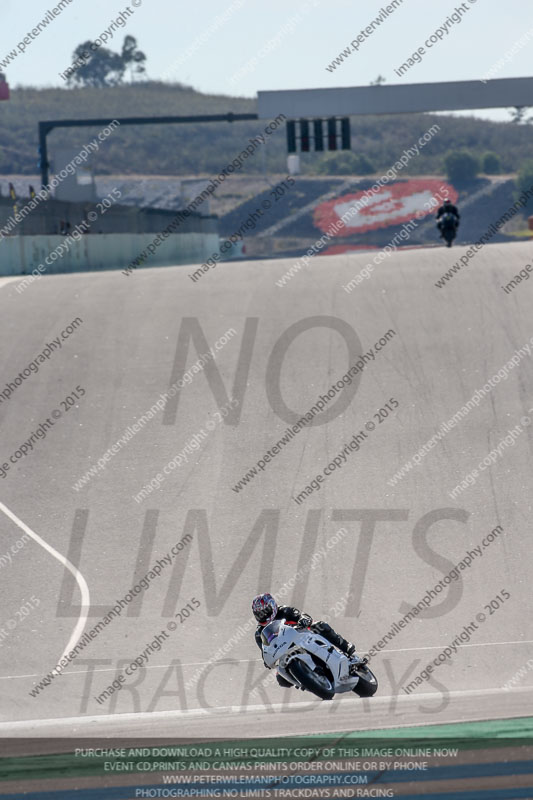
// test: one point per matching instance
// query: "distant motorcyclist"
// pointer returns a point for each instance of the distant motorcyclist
(265, 610)
(448, 221)
(448, 208)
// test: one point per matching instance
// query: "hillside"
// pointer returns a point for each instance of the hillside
(205, 149)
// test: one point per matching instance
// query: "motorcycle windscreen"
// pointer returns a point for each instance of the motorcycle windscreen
(270, 632)
(449, 220)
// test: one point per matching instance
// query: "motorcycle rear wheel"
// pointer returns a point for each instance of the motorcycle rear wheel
(319, 685)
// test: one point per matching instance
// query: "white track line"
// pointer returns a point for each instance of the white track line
(474, 644)
(153, 716)
(82, 583)
(4, 280)
(258, 660)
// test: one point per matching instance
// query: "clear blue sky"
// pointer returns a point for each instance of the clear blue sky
(291, 42)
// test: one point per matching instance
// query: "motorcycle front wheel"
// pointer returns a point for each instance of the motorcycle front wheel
(367, 685)
(320, 685)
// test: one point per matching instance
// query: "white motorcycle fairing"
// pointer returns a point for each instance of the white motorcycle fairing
(284, 643)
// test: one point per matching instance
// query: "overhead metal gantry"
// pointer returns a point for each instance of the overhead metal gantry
(396, 99)
(48, 125)
(410, 98)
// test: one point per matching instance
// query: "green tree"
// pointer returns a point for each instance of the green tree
(492, 164)
(524, 178)
(518, 115)
(133, 58)
(97, 68)
(461, 166)
(344, 163)
(102, 67)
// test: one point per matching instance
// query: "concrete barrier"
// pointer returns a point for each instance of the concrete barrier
(20, 255)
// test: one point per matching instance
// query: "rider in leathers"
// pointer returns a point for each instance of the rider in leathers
(266, 610)
(448, 208)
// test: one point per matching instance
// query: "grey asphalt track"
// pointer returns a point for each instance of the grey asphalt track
(396, 543)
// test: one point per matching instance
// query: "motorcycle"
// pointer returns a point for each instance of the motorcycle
(448, 225)
(313, 664)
